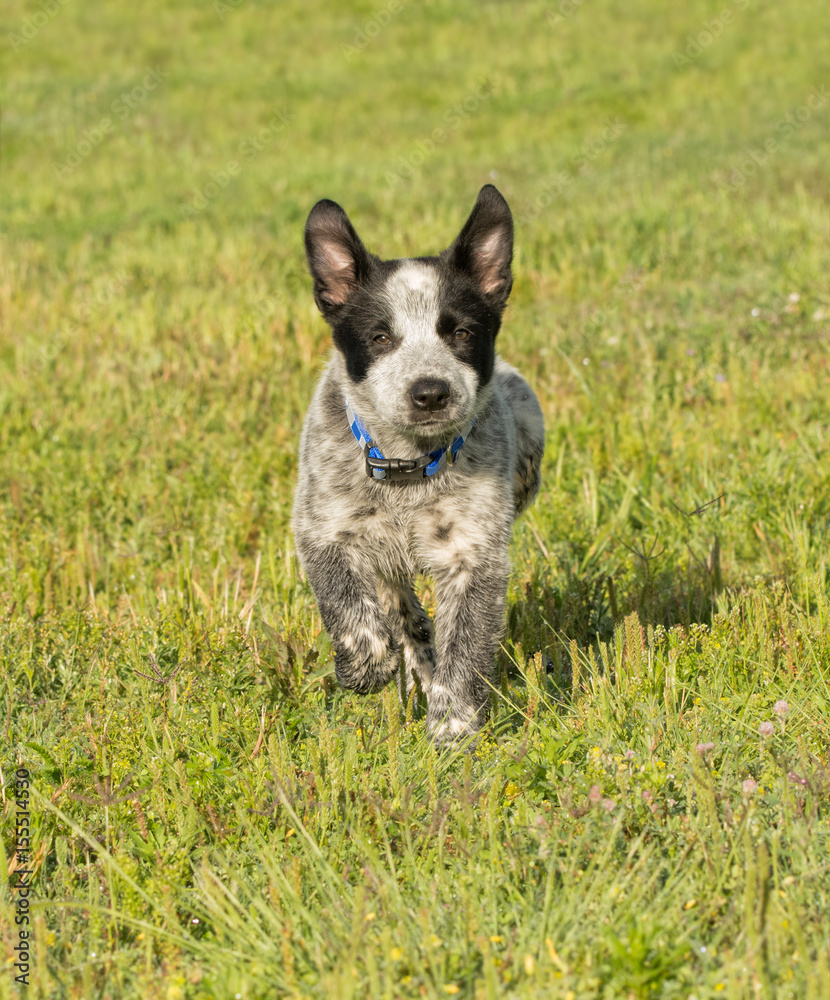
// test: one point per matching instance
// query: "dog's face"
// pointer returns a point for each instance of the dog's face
(418, 336)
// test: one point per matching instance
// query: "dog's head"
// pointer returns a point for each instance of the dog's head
(418, 336)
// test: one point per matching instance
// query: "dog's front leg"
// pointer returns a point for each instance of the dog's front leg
(469, 620)
(366, 650)
(413, 632)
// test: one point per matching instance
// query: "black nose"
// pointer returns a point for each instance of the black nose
(430, 393)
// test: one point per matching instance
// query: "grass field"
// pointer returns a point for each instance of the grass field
(647, 814)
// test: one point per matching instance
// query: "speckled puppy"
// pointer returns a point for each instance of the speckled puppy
(419, 449)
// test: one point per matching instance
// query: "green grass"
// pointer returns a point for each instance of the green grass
(214, 817)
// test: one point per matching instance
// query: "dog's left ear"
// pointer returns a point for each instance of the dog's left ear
(484, 247)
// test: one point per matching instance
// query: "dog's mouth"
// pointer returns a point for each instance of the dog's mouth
(429, 428)
(429, 420)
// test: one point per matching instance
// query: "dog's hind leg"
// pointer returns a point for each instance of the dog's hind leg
(530, 434)
(367, 650)
(413, 632)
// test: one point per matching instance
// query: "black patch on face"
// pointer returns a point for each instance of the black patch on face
(360, 321)
(462, 307)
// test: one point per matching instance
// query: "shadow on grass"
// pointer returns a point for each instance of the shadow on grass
(582, 610)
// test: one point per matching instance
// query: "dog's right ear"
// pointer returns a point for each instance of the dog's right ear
(337, 259)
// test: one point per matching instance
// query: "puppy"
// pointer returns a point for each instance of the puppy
(419, 449)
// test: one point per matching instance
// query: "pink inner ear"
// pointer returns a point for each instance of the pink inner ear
(489, 262)
(338, 267)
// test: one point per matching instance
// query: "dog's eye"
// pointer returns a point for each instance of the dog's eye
(462, 334)
(382, 339)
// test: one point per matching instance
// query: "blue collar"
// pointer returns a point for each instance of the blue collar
(380, 468)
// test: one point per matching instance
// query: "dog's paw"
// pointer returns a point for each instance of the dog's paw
(365, 661)
(454, 730)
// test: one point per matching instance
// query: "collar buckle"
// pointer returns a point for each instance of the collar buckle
(392, 469)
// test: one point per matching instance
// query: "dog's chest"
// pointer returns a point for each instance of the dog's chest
(405, 530)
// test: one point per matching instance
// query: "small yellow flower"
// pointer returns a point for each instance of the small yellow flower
(369, 917)
(720, 986)
(396, 954)
(452, 989)
(690, 905)
(496, 938)
(554, 957)
(529, 965)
